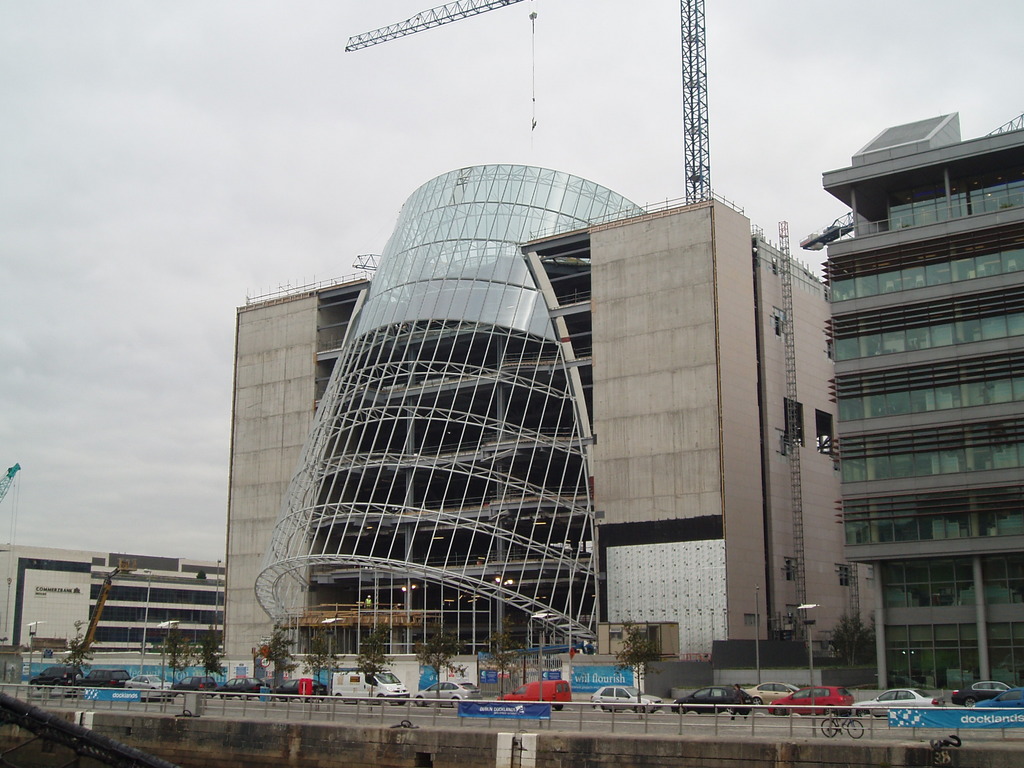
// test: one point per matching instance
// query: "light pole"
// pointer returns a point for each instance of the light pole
(145, 621)
(170, 624)
(216, 608)
(808, 623)
(757, 630)
(33, 626)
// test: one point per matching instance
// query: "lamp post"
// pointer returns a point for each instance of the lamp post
(145, 621)
(757, 630)
(808, 623)
(216, 608)
(33, 626)
(170, 624)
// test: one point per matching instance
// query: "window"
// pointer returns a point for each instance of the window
(778, 321)
(823, 431)
(843, 571)
(793, 413)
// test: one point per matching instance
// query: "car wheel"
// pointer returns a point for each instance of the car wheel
(420, 702)
(970, 701)
(756, 700)
(556, 707)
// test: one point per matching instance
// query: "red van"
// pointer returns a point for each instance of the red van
(542, 690)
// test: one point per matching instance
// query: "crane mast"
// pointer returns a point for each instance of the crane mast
(123, 566)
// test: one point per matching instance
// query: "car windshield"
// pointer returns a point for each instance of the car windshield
(468, 686)
(387, 678)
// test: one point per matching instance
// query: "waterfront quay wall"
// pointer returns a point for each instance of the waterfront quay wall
(225, 743)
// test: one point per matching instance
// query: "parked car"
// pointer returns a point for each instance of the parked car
(715, 698)
(294, 687)
(814, 701)
(106, 678)
(895, 697)
(977, 691)
(555, 691)
(1012, 697)
(766, 693)
(63, 674)
(152, 686)
(624, 697)
(195, 683)
(240, 685)
(456, 690)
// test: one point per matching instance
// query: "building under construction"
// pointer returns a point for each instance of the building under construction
(550, 408)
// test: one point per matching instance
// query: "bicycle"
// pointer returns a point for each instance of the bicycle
(833, 726)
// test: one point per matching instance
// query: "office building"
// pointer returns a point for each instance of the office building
(928, 333)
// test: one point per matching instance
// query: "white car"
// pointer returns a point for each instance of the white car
(624, 697)
(895, 697)
(766, 693)
(450, 690)
(154, 684)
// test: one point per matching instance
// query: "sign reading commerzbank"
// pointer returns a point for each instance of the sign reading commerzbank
(955, 717)
(59, 590)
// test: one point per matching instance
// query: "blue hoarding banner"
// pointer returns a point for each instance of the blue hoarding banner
(588, 678)
(111, 694)
(507, 710)
(955, 717)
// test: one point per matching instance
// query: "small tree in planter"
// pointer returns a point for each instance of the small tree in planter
(638, 652)
(437, 653)
(373, 657)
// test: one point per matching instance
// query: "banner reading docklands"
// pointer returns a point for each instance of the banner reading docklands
(952, 718)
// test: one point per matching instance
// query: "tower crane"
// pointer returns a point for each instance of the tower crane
(697, 157)
(7, 480)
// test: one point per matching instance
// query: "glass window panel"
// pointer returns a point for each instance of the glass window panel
(951, 461)
(898, 402)
(989, 264)
(875, 405)
(1015, 324)
(843, 289)
(1002, 391)
(870, 345)
(867, 285)
(890, 282)
(968, 331)
(1013, 260)
(938, 273)
(854, 470)
(963, 269)
(878, 467)
(922, 400)
(947, 397)
(853, 407)
(916, 338)
(893, 341)
(914, 277)
(993, 327)
(902, 465)
(847, 349)
(941, 335)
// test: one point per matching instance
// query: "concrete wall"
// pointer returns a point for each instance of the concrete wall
(202, 742)
(275, 354)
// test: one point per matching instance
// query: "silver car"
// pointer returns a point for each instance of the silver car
(450, 690)
(895, 697)
(155, 687)
(624, 697)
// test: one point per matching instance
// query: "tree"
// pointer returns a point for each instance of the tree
(279, 652)
(319, 656)
(505, 653)
(78, 652)
(853, 641)
(209, 652)
(639, 650)
(179, 651)
(437, 652)
(372, 657)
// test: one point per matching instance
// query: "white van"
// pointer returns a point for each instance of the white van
(352, 682)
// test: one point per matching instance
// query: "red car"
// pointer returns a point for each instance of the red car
(820, 700)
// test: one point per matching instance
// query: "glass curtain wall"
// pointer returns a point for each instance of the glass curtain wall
(445, 481)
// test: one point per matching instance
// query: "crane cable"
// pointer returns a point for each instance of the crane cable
(533, 67)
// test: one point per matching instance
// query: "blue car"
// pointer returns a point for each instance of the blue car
(1011, 698)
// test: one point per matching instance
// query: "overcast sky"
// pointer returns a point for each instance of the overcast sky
(160, 162)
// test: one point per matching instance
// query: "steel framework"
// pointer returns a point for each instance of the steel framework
(447, 473)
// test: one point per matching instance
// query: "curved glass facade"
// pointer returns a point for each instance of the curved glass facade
(446, 480)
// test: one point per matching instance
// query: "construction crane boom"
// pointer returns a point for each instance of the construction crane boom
(696, 144)
(435, 17)
(124, 566)
(7, 480)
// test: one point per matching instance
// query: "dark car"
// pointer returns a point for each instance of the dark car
(714, 698)
(64, 674)
(241, 685)
(106, 678)
(293, 688)
(195, 683)
(981, 690)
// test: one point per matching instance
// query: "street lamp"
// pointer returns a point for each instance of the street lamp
(808, 623)
(32, 627)
(757, 630)
(169, 624)
(145, 621)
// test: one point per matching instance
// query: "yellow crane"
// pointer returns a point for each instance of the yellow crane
(123, 566)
